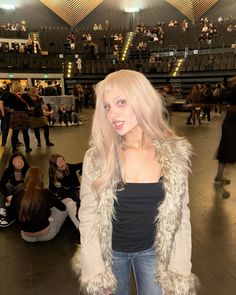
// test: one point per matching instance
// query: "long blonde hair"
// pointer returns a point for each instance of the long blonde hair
(147, 105)
(16, 87)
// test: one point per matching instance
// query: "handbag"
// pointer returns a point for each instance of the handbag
(37, 122)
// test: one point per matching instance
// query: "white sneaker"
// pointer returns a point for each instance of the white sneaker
(72, 123)
(80, 123)
(69, 123)
(63, 124)
(3, 212)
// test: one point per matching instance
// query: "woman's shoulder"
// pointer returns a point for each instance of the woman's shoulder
(91, 153)
(25, 95)
(91, 160)
(177, 146)
(7, 171)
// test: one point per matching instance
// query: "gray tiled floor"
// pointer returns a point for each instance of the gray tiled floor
(35, 269)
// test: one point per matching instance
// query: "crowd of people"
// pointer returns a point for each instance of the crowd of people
(202, 99)
(23, 108)
(40, 211)
(19, 26)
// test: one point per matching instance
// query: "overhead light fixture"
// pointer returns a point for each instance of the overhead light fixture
(7, 6)
(132, 9)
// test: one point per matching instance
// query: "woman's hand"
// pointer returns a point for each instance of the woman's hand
(106, 292)
(8, 198)
(167, 292)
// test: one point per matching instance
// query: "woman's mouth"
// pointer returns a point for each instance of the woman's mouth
(118, 124)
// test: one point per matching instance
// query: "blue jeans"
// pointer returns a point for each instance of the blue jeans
(143, 265)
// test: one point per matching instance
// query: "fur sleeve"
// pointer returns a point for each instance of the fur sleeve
(178, 277)
(88, 263)
(173, 242)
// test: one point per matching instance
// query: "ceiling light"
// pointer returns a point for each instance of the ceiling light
(132, 9)
(7, 6)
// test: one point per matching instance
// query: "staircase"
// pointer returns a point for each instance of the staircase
(35, 37)
(175, 82)
(128, 41)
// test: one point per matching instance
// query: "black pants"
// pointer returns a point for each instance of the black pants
(189, 118)
(46, 133)
(5, 128)
(14, 138)
(207, 112)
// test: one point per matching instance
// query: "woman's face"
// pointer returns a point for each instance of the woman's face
(18, 163)
(61, 164)
(119, 112)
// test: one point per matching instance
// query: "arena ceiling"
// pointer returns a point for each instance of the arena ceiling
(193, 9)
(73, 11)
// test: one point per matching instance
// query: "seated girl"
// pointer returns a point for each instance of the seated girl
(63, 116)
(63, 178)
(74, 116)
(39, 212)
(13, 177)
(49, 113)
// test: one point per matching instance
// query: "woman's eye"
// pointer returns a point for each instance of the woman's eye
(106, 107)
(121, 102)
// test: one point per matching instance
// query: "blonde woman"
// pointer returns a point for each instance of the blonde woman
(21, 104)
(134, 195)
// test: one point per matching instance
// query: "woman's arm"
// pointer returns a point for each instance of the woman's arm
(52, 186)
(178, 277)
(53, 199)
(77, 167)
(2, 108)
(94, 277)
(4, 180)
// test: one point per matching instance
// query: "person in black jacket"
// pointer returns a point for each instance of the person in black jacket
(13, 177)
(50, 90)
(38, 119)
(63, 177)
(208, 99)
(226, 153)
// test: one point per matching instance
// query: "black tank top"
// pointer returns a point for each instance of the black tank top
(136, 208)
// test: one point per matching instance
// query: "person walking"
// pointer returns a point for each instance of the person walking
(226, 153)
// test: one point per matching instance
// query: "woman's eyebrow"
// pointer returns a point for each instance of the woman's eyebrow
(119, 96)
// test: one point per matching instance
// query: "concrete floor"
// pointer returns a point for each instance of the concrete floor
(44, 268)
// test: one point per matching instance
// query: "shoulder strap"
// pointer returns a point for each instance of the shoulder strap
(22, 99)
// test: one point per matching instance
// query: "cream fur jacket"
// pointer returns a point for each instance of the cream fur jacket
(93, 260)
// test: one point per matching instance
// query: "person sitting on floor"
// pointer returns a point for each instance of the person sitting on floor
(63, 116)
(39, 212)
(63, 178)
(13, 176)
(49, 113)
(11, 182)
(74, 116)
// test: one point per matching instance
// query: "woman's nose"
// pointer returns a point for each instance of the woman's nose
(113, 112)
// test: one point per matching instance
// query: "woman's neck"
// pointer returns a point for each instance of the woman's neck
(137, 139)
